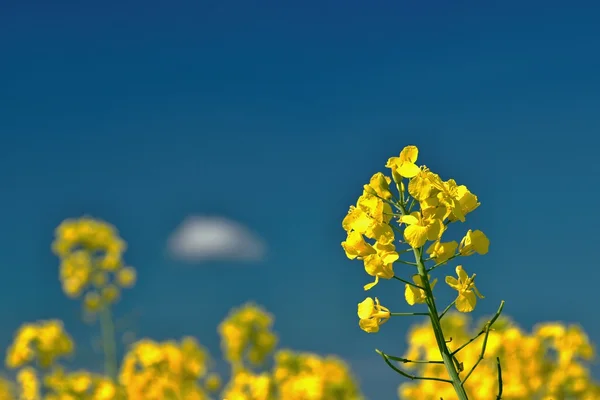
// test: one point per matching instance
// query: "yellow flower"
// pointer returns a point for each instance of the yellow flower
(372, 315)
(92, 302)
(420, 230)
(420, 186)
(212, 382)
(441, 252)
(415, 295)
(467, 292)
(126, 277)
(405, 165)
(467, 201)
(379, 185)
(356, 246)
(29, 384)
(474, 242)
(110, 294)
(43, 342)
(381, 264)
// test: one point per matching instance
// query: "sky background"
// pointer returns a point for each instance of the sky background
(273, 115)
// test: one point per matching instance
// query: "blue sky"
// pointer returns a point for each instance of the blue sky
(142, 113)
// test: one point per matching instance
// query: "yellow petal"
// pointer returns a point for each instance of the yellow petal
(369, 286)
(415, 235)
(409, 153)
(466, 302)
(392, 162)
(409, 219)
(366, 308)
(452, 282)
(432, 284)
(477, 292)
(435, 229)
(408, 170)
(411, 294)
(462, 274)
(368, 325)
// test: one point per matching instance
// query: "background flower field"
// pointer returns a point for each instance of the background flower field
(259, 124)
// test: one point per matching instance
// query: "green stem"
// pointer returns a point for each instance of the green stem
(108, 342)
(407, 314)
(437, 328)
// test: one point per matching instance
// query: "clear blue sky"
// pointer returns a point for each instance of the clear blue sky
(274, 115)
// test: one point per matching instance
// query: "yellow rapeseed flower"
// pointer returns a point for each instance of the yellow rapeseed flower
(474, 242)
(405, 165)
(372, 315)
(419, 230)
(467, 292)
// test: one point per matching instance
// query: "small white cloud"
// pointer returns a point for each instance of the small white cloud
(200, 239)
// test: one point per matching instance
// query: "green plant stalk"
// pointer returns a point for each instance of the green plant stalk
(108, 342)
(437, 328)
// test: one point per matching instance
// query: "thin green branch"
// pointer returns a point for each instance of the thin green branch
(408, 283)
(406, 262)
(408, 314)
(410, 205)
(395, 228)
(446, 309)
(484, 330)
(487, 329)
(442, 263)
(409, 376)
(108, 342)
(406, 360)
(499, 397)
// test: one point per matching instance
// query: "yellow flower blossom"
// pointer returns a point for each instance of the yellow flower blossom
(441, 252)
(29, 384)
(405, 165)
(419, 230)
(380, 264)
(467, 201)
(474, 242)
(467, 292)
(420, 187)
(379, 185)
(372, 315)
(355, 246)
(44, 342)
(125, 277)
(370, 217)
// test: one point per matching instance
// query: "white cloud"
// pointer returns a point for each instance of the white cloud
(201, 238)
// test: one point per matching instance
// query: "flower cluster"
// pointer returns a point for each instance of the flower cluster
(247, 340)
(306, 376)
(549, 363)
(246, 335)
(81, 384)
(155, 371)
(91, 255)
(420, 210)
(248, 385)
(41, 343)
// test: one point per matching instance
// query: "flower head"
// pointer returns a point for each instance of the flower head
(372, 315)
(404, 165)
(474, 242)
(467, 292)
